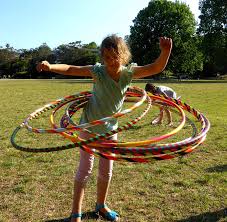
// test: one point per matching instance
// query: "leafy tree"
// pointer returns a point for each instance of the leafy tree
(7, 56)
(41, 53)
(25, 65)
(75, 53)
(171, 19)
(22, 63)
(213, 32)
(91, 54)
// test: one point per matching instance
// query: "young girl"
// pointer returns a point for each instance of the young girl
(111, 81)
(166, 91)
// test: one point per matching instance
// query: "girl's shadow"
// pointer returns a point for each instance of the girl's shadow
(86, 215)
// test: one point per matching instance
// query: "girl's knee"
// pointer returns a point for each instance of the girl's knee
(105, 169)
(85, 167)
(105, 176)
(83, 175)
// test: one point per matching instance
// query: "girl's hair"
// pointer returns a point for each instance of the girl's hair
(151, 88)
(118, 46)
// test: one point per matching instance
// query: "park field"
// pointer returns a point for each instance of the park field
(38, 186)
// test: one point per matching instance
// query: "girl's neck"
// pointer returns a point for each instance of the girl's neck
(114, 73)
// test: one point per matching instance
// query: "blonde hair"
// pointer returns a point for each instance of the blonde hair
(118, 46)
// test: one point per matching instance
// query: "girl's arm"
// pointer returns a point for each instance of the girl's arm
(159, 64)
(65, 69)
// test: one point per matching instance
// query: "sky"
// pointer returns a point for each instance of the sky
(26, 24)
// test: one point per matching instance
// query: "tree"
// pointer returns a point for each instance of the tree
(22, 63)
(25, 65)
(7, 56)
(213, 32)
(165, 18)
(76, 53)
(43, 52)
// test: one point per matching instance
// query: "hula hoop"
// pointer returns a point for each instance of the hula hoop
(95, 137)
(162, 147)
(58, 104)
(140, 151)
(84, 125)
(181, 147)
(164, 155)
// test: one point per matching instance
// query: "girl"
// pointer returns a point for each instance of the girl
(111, 80)
(166, 91)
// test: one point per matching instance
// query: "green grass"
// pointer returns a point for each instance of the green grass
(38, 187)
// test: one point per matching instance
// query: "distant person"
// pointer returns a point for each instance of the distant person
(111, 81)
(166, 91)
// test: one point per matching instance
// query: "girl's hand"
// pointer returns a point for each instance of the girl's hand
(165, 43)
(43, 66)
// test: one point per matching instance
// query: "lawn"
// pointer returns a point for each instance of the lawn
(38, 186)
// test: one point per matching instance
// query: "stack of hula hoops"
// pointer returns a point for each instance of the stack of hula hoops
(143, 151)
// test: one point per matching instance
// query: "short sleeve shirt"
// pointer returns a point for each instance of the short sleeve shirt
(107, 97)
(167, 91)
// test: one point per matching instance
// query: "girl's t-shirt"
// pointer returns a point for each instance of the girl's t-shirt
(167, 91)
(107, 97)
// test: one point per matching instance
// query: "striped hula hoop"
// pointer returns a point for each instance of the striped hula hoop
(97, 144)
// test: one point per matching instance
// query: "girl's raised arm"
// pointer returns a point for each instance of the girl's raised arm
(159, 64)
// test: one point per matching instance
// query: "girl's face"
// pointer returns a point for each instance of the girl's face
(111, 59)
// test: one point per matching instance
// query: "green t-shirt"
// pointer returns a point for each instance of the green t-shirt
(108, 97)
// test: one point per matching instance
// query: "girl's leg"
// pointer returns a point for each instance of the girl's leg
(78, 196)
(82, 175)
(169, 117)
(103, 180)
(158, 120)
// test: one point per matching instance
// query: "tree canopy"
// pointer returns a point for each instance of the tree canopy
(22, 63)
(213, 33)
(171, 19)
(198, 51)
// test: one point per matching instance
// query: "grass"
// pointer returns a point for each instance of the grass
(38, 187)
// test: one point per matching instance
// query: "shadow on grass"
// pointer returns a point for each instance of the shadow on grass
(221, 168)
(86, 215)
(207, 217)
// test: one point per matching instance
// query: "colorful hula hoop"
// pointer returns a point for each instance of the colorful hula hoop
(73, 107)
(97, 144)
(76, 98)
(84, 125)
(158, 151)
